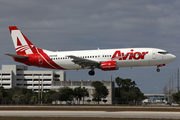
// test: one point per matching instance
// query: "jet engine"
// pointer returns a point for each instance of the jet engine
(109, 65)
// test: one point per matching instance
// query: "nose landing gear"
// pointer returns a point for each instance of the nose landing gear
(158, 70)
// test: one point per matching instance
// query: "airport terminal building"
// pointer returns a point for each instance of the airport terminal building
(19, 76)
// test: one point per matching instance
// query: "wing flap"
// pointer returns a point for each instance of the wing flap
(16, 56)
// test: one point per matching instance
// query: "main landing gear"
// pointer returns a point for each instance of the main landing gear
(91, 72)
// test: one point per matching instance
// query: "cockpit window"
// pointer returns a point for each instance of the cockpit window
(163, 53)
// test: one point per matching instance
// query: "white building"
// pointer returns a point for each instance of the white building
(18, 75)
(87, 84)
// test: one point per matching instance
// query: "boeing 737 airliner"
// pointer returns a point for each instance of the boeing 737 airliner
(104, 59)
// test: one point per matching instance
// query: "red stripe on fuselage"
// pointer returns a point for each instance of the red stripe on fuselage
(50, 62)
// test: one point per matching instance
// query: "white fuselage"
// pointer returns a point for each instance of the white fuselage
(128, 57)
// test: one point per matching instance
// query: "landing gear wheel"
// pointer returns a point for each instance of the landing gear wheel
(158, 70)
(91, 72)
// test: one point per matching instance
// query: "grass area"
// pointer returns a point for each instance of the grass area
(74, 118)
(86, 108)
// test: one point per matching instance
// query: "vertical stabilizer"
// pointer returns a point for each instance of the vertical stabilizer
(22, 45)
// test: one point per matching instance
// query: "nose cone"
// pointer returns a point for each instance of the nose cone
(169, 58)
(172, 57)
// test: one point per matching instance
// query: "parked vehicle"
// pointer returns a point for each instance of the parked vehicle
(70, 103)
(174, 104)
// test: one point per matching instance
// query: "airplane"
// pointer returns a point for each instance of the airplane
(104, 59)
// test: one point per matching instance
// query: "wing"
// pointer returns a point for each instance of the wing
(84, 62)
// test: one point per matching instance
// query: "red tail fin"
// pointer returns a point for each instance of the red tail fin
(22, 45)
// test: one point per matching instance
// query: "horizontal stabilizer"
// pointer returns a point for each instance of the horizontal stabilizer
(16, 56)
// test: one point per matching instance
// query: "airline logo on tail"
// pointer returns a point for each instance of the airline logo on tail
(22, 44)
(21, 48)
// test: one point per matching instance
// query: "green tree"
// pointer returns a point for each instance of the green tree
(127, 90)
(3, 93)
(15, 98)
(125, 84)
(22, 98)
(51, 95)
(66, 94)
(101, 91)
(18, 94)
(33, 99)
(80, 93)
(85, 93)
(24, 91)
(10, 93)
(17, 91)
(47, 98)
(29, 94)
(176, 97)
(77, 92)
(55, 97)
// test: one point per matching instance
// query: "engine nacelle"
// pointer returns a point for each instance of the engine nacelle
(109, 65)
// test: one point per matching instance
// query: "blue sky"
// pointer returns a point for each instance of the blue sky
(61, 25)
